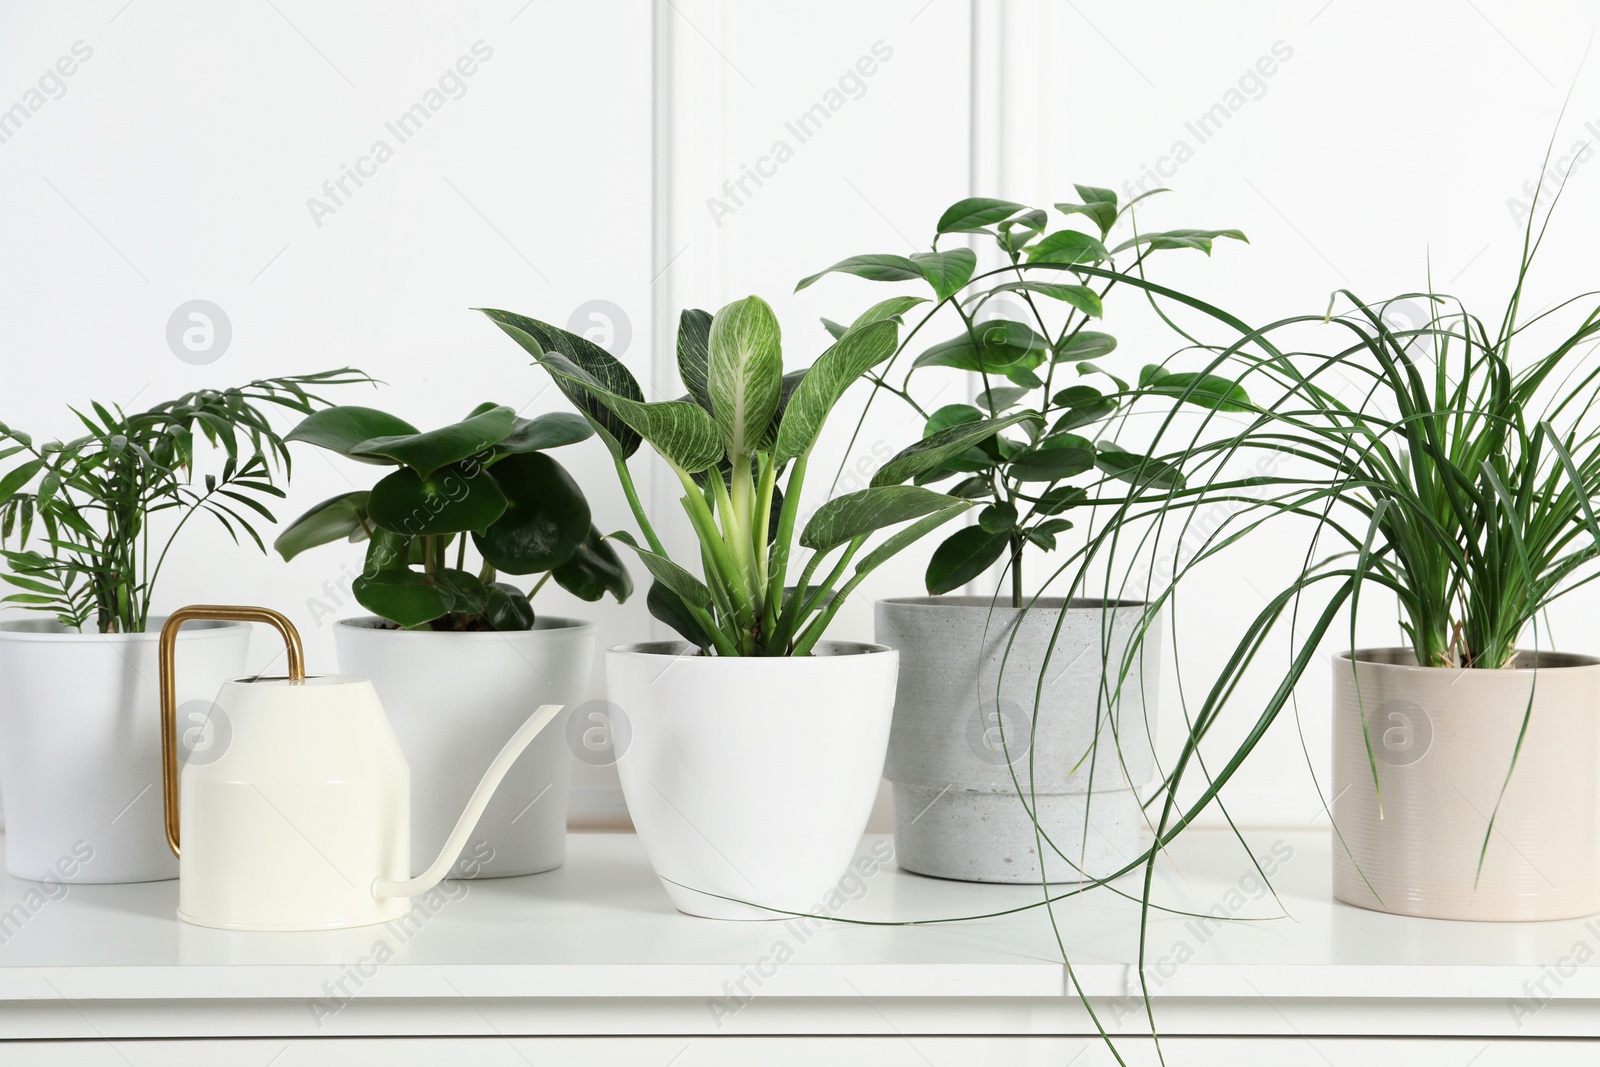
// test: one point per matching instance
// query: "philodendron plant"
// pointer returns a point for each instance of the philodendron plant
(485, 479)
(1036, 367)
(744, 427)
(99, 500)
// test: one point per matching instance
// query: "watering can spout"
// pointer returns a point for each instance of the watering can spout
(457, 840)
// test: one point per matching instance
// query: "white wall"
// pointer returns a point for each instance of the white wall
(576, 164)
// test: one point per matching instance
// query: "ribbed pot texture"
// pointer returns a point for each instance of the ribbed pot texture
(964, 736)
(1443, 742)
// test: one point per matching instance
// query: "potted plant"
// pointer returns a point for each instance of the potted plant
(1466, 761)
(757, 745)
(1025, 731)
(458, 656)
(91, 522)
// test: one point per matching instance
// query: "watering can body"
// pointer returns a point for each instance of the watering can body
(307, 806)
(298, 817)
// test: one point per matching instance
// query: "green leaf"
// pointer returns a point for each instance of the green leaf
(1086, 344)
(874, 267)
(1137, 470)
(900, 540)
(507, 608)
(468, 593)
(594, 570)
(550, 430)
(403, 596)
(1204, 390)
(999, 517)
(841, 366)
(948, 416)
(544, 522)
(744, 373)
(948, 271)
(963, 556)
(343, 429)
(669, 607)
(853, 515)
(1081, 297)
(1056, 457)
(1067, 247)
(1089, 368)
(972, 489)
(932, 452)
(1002, 343)
(998, 398)
(447, 501)
(682, 584)
(600, 368)
(1199, 239)
(1012, 234)
(334, 519)
(427, 452)
(694, 353)
(680, 430)
(18, 477)
(1103, 215)
(893, 308)
(975, 213)
(1085, 404)
(1061, 498)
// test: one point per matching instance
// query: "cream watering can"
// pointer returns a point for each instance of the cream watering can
(304, 820)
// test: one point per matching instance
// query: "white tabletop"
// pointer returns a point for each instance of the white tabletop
(594, 947)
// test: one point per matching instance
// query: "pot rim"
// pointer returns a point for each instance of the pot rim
(1395, 657)
(198, 630)
(681, 649)
(999, 604)
(556, 624)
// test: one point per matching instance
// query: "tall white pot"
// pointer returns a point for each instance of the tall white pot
(454, 699)
(1443, 741)
(80, 743)
(751, 778)
(965, 734)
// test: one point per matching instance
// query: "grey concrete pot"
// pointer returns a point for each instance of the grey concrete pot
(962, 726)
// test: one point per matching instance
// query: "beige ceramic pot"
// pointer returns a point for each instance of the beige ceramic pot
(1443, 742)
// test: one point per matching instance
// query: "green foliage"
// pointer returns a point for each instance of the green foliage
(1036, 431)
(94, 502)
(485, 478)
(744, 426)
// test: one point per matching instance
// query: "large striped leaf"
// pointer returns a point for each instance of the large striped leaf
(744, 372)
(600, 367)
(678, 429)
(844, 518)
(694, 339)
(858, 351)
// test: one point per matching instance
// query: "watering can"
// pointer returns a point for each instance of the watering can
(303, 821)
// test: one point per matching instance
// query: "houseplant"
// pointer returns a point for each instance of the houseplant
(757, 745)
(1021, 676)
(1461, 483)
(458, 656)
(88, 524)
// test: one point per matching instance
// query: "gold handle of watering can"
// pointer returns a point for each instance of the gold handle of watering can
(169, 700)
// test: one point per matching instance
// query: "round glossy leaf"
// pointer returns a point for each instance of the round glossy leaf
(334, 518)
(403, 596)
(551, 430)
(508, 608)
(430, 451)
(341, 429)
(457, 498)
(964, 556)
(594, 570)
(545, 521)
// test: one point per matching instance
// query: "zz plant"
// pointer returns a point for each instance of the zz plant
(739, 444)
(485, 479)
(95, 505)
(1037, 362)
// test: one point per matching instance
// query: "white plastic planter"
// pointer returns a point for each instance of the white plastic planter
(80, 743)
(965, 736)
(1442, 741)
(453, 700)
(750, 780)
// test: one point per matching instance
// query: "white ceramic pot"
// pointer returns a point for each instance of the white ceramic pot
(751, 778)
(1443, 743)
(80, 743)
(453, 700)
(965, 733)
